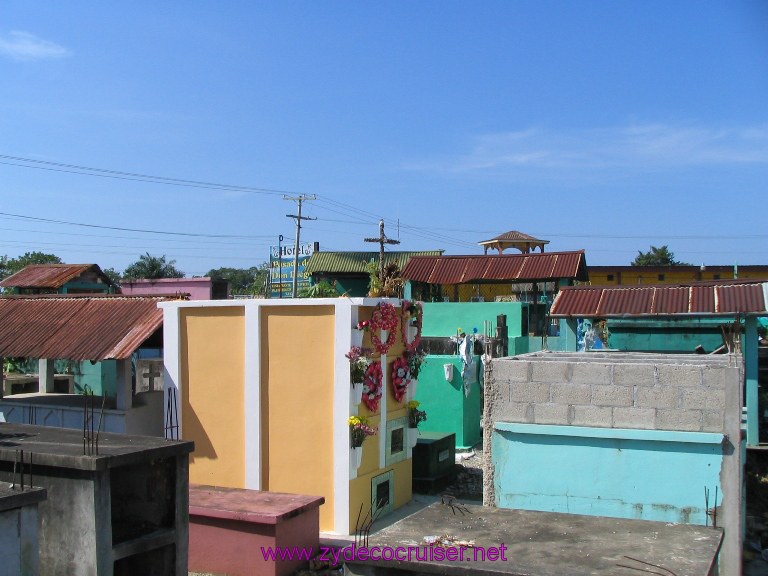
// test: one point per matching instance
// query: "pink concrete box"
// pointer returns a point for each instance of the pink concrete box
(229, 527)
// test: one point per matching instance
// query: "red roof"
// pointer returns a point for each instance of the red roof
(51, 275)
(88, 327)
(723, 297)
(496, 268)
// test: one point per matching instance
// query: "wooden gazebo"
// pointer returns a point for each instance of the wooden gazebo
(514, 239)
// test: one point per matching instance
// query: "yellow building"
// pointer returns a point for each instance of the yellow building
(677, 274)
(263, 388)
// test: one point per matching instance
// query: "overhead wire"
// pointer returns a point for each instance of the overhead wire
(363, 217)
(122, 229)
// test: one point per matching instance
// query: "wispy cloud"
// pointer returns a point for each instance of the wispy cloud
(635, 146)
(23, 46)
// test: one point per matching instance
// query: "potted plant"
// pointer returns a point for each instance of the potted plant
(358, 365)
(359, 430)
(415, 360)
(410, 326)
(360, 329)
(415, 417)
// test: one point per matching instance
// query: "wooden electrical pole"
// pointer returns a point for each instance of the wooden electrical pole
(381, 240)
(299, 218)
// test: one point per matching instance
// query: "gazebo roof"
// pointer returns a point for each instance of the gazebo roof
(513, 239)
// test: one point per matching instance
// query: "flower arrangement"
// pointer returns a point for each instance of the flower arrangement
(412, 316)
(384, 317)
(359, 430)
(415, 360)
(401, 377)
(363, 325)
(415, 416)
(372, 386)
(358, 364)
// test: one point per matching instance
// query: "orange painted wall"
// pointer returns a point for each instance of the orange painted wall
(212, 344)
(297, 376)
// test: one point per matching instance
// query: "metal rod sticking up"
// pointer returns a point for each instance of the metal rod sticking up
(171, 416)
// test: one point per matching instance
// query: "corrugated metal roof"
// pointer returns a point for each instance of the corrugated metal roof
(50, 275)
(724, 297)
(76, 327)
(496, 268)
(355, 262)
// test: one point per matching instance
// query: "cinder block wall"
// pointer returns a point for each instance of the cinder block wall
(608, 390)
(656, 392)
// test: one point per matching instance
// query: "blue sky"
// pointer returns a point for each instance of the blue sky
(603, 126)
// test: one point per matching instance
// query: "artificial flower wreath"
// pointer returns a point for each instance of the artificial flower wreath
(372, 386)
(412, 311)
(401, 377)
(384, 317)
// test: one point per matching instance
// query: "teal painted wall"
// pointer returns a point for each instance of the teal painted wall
(448, 410)
(637, 476)
(671, 335)
(443, 318)
(100, 377)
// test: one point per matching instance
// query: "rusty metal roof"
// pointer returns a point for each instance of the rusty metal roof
(722, 297)
(496, 268)
(51, 275)
(87, 327)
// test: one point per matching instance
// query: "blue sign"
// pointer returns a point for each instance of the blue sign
(281, 260)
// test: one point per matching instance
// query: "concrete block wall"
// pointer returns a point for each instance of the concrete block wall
(661, 393)
(609, 390)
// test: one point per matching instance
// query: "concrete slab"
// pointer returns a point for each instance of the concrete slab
(63, 447)
(545, 544)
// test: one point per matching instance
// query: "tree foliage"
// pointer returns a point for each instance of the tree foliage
(657, 256)
(10, 266)
(152, 268)
(243, 280)
(113, 275)
(323, 289)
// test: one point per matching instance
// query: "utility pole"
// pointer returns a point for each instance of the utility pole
(381, 240)
(298, 199)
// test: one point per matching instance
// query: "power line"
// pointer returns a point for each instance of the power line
(192, 234)
(117, 237)
(120, 175)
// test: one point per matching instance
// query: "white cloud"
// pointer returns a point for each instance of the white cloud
(635, 146)
(23, 46)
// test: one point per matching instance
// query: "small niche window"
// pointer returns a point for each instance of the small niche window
(382, 493)
(661, 277)
(396, 445)
(610, 277)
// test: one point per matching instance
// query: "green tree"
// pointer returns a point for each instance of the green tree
(243, 280)
(152, 268)
(10, 266)
(113, 275)
(661, 256)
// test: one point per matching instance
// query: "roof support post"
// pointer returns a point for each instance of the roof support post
(123, 392)
(45, 373)
(749, 346)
